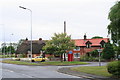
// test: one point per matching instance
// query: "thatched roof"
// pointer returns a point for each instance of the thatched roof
(25, 46)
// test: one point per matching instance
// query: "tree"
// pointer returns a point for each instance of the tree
(21, 41)
(4, 49)
(94, 53)
(15, 45)
(49, 48)
(108, 52)
(114, 26)
(59, 44)
(11, 49)
(96, 37)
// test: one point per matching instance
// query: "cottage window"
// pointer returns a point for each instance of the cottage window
(66, 55)
(77, 49)
(88, 45)
(76, 55)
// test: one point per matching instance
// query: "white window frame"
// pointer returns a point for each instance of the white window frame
(77, 49)
(75, 55)
(88, 45)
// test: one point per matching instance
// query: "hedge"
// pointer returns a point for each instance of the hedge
(114, 68)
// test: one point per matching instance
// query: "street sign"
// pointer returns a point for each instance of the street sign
(99, 50)
(70, 52)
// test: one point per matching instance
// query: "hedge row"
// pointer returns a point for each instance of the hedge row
(114, 68)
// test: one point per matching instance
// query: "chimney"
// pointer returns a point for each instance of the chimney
(40, 39)
(85, 37)
(64, 26)
(26, 39)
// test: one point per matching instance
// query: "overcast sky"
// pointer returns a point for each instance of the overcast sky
(81, 16)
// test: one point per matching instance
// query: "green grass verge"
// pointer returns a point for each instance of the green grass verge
(95, 70)
(55, 63)
(5, 56)
(64, 63)
(19, 62)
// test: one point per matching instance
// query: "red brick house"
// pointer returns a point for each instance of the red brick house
(84, 46)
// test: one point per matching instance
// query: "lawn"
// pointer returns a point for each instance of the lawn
(95, 70)
(18, 62)
(55, 63)
(64, 63)
(4, 56)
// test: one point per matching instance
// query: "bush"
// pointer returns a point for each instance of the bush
(114, 68)
(22, 55)
(86, 58)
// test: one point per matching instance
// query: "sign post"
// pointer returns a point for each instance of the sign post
(99, 50)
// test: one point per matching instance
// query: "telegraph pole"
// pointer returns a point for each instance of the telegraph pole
(64, 33)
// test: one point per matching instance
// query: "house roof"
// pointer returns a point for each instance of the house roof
(95, 42)
(25, 46)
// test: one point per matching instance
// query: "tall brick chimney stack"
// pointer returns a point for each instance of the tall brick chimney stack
(85, 37)
(64, 26)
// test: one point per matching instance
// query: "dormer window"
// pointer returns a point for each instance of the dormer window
(102, 43)
(88, 44)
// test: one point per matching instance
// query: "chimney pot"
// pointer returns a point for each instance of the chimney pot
(26, 39)
(40, 39)
(85, 37)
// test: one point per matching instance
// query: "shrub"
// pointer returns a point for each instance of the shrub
(50, 57)
(22, 55)
(86, 58)
(114, 68)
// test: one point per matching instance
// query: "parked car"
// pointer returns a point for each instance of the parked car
(39, 58)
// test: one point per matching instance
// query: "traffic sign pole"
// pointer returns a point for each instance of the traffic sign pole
(99, 50)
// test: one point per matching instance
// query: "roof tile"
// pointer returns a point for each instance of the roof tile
(95, 42)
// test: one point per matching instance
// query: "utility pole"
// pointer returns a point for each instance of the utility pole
(64, 33)
(30, 27)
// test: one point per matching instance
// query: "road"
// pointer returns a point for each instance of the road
(23, 71)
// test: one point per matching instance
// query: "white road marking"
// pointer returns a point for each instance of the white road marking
(19, 73)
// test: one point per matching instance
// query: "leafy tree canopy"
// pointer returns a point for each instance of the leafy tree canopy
(9, 49)
(59, 44)
(114, 26)
(108, 52)
(4, 49)
(94, 53)
(96, 37)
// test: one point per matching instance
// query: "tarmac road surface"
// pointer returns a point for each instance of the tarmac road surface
(23, 71)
